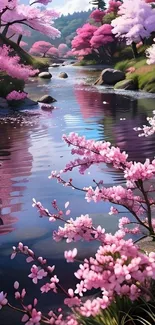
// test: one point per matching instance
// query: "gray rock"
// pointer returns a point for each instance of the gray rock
(29, 102)
(126, 85)
(3, 103)
(47, 99)
(26, 103)
(63, 75)
(110, 77)
(55, 65)
(45, 75)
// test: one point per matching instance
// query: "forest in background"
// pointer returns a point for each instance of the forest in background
(66, 24)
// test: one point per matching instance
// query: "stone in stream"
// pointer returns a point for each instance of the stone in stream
(3, 103)
(47, 99)
(110, 77)
(55, 65)
(45, 75)
(63, 75)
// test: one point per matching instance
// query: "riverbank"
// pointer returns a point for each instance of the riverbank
(140, 72)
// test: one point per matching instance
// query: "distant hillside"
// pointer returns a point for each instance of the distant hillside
(67, 26)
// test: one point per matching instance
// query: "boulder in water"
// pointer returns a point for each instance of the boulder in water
(55, 65)
(63, 75)
(47, 99)
(110, 77)
(45, 75)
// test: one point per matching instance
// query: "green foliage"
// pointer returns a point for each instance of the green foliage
(8, 84)
(40, 63)
(144, 74)
(107, 19)
(122, 65)
(86, 62)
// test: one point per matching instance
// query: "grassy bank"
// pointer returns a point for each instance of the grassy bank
(144, 74)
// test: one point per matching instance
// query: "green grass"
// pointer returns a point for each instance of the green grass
(40, 63)
(85, 62)
(144, 74)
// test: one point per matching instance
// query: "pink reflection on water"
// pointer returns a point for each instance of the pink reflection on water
(15, 161)
(92, 103)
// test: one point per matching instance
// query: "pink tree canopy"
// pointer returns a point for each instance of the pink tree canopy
(81, 43)
(40, 48)
(62, 49)
(97, 15)
(18, 16)
(135, 22)
(11, 65)
(53, 52)
(102, 36)
(113, 6)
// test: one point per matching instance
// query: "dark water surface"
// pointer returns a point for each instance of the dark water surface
(31, 146)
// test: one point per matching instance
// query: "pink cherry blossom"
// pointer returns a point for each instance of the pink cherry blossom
(70, 255)
(3, 300)
(11, 65)
(134, 23)
(16, 95)
(113, 211)
(40, 48)
(37, 274)
(97, 15)
(34, 319)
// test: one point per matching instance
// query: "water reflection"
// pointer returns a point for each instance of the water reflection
(31, 146)
(116, 116)
(16, 164)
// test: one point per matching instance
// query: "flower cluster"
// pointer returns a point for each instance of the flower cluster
(16, 95)
(147, 129)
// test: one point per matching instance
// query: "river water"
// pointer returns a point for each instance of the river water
(31, 146)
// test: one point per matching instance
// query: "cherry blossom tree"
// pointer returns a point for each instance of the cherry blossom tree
(135, 23)
(18, 19)
(113, 6)
(18, 16)
(97, 15)
(11, 65)
(53, 52)
(40, 48)
(81, 43)
(62, 49)
(102, 36)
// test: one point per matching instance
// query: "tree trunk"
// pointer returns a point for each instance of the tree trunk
(25, 57)
(19, 39)
(134, 50)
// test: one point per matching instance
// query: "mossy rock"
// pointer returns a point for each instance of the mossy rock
(129, 84)
(8, 84)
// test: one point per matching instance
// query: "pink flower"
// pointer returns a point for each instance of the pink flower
(70, 255)
(3, 300)
(37, 274)
(72, 301)
(16, 95)
(113, 211)
(35, 318)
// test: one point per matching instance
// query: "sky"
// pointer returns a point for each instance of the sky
(68, 6)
